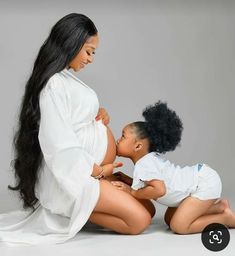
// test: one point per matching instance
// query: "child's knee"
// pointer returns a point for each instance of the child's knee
(178, 228)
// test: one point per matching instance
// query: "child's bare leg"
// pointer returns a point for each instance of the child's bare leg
(189, 216)
(219, 207)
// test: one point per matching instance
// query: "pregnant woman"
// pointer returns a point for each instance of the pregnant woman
(64, 149)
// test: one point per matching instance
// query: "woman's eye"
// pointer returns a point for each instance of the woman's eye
(90, 53)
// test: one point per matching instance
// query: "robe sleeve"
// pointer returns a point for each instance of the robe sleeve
(64, 155)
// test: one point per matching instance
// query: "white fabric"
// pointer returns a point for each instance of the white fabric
(179, 182)
(71, 141)
(209, 184)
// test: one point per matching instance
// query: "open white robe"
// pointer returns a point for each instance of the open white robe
(71, 141)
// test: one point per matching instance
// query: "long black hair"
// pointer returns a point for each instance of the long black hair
(64, 42)
(162, 127)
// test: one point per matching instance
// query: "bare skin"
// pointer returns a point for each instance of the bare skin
(115, 209)
(119, 211)
(219, 207)
(149, 206)
(193, 215)
(85, 55)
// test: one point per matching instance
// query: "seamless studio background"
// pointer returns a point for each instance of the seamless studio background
(178, 51)
(181, 52)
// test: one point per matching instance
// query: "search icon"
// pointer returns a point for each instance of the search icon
(215, 237)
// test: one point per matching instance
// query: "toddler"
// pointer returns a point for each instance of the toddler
(191, 193)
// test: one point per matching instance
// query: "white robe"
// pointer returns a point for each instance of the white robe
(71, 141)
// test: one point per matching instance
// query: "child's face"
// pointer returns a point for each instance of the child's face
(126, 144)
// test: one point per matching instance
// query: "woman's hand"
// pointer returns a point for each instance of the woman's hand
(122, 186)
(103, 115)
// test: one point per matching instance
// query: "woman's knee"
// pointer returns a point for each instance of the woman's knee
(169, 214)
(123, 206)
(141, 220)
(167, 219)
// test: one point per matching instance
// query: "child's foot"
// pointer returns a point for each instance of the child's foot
(229, 217)
(223, 204)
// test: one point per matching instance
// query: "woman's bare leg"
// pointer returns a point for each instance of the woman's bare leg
(190, 216)
(169, 214)
(119, 211)
(149, 206)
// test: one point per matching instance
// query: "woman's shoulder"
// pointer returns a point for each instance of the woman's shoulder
(55, 89)
(55, 81)
(65, 79)
(56, 84)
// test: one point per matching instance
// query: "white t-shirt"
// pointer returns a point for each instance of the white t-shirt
(71, 141)
(179, 182)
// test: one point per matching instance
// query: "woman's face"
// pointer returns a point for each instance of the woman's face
(86, 54)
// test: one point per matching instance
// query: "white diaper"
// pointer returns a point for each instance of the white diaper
(209, 184)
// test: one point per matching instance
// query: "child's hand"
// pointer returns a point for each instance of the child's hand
(108, 168)
(122, 186)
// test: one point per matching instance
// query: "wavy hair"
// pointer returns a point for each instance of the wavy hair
(64, 42)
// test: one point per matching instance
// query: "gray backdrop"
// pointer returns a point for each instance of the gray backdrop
(182, 52)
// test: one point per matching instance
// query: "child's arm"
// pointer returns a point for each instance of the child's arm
(153, 190)
(104, 170)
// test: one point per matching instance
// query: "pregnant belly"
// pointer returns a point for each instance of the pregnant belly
(111, 148)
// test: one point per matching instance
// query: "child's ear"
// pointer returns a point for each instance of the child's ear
(138, 146)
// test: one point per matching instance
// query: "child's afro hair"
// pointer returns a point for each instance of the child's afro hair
(163, 126)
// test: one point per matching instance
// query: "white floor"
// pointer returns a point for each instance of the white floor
(92, 240)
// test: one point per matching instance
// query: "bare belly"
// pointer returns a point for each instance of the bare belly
(111, 148)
